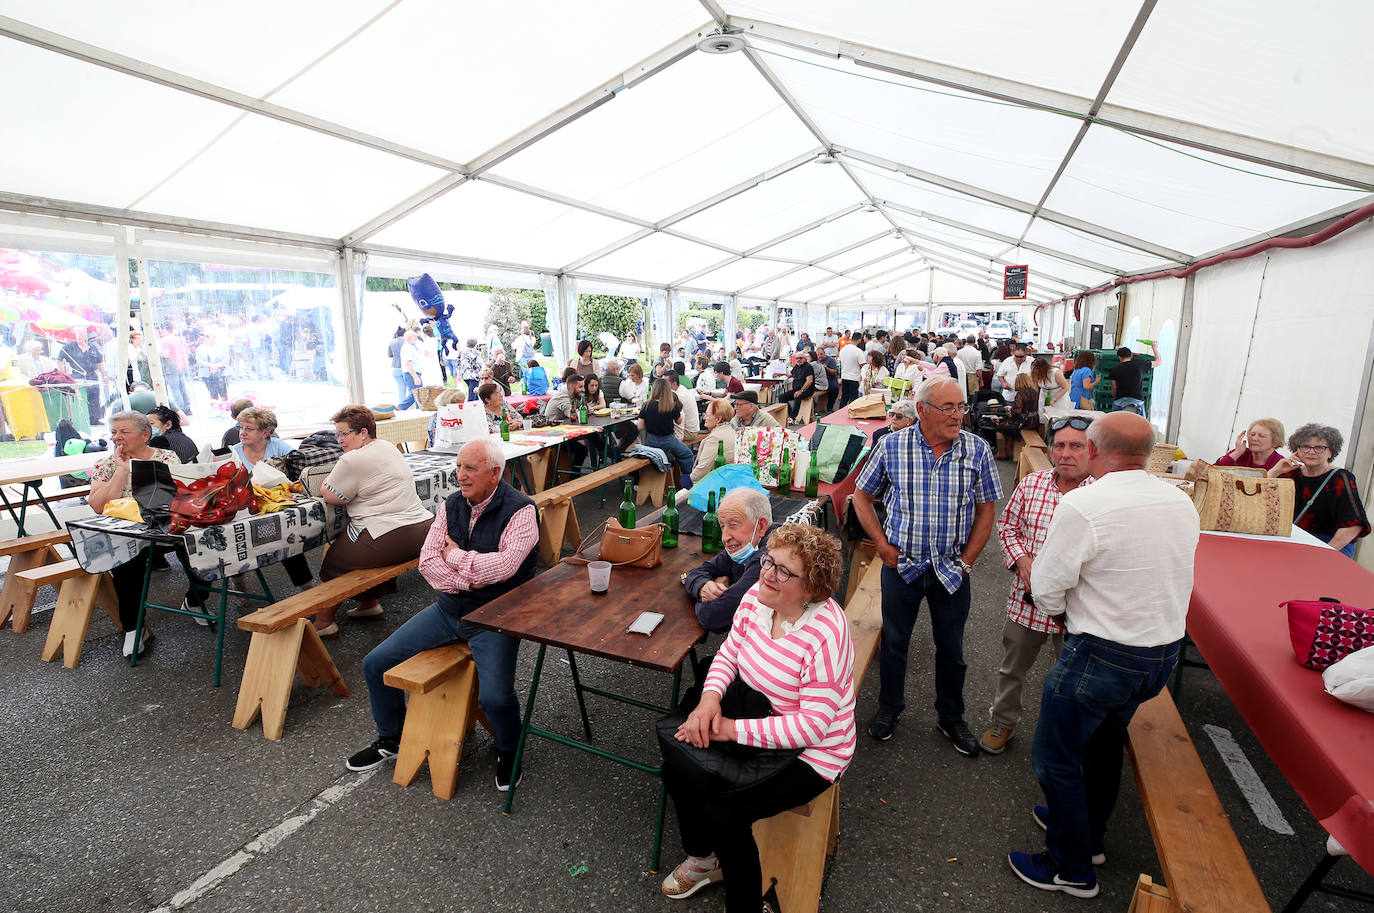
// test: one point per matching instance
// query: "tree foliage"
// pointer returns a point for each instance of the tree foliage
(607, 314)
(508, 309)
(750, 320)
(714, 320)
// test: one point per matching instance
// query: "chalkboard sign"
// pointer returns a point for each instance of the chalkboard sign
(1014, 281)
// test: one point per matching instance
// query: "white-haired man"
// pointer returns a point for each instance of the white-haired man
(939, 484)
(481, 546)
(719, 584)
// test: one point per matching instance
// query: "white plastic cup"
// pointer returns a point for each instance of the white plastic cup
(599, 573)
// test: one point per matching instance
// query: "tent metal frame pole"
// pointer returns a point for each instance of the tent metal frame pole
(1181, 353)
(1207, 139)
(349, 268)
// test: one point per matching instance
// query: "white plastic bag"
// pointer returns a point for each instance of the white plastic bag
(459, 423)
(267, 476)
(1352, 679)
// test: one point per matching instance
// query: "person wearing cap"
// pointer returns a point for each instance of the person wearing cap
(748, 414)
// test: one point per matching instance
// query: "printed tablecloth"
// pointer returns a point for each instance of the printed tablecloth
(247, 542)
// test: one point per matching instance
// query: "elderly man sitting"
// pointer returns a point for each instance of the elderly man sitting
(481, 546)
(718, 585)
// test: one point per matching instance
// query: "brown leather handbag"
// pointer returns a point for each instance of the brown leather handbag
(638, 547)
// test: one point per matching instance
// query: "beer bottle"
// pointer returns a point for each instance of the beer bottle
(505, 427)
(627, 507)
(813, 477)
(785, 471)
(670, 519)
(720, 454)
(710, 527)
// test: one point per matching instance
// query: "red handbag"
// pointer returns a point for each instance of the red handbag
(1326, 630)
(214, 499)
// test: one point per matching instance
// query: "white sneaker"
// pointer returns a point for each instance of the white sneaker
(187, 607)
(129, 644)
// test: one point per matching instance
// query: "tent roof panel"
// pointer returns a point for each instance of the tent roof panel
(479, 219)
(267, 173)
(65, 144)
(657, 258)
(700, 126)
(740, 274)
(789, 282)
(862, 254)
(565, 49)
(775, 207)
(1006, 148)
(1278, 71)
(886, 185)
(1154, 191)
(830, 237)
(960, 35)
(1074, 242)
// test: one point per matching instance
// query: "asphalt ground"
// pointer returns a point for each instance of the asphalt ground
(127, 789)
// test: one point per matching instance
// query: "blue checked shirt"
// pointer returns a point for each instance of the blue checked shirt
(930, 502)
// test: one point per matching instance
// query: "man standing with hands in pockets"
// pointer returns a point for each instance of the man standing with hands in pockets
(940, 486)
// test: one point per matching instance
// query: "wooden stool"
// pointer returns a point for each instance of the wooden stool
(26, 584)
(806, 412)
(793, 847)
(72, 617)
(443, 709)
(25, 554)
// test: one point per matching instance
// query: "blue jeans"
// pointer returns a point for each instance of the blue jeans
(1129, 404)
(1348, 550)
(401, 388)
(948, 612)
(678, 452)
(432, 627)
(1089, 699)
(409, 385)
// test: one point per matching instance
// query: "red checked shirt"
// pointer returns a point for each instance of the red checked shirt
(1021, 531)
(470, 570)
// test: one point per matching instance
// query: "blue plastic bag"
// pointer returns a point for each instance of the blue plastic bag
(730, 476)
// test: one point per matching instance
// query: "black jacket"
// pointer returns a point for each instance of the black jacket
(717, 614)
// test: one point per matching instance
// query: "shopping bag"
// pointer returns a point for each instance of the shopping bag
(459, 423)
(153, 489)
(1352, 679)
(1324, 631)
(1231, 504)
(837, 449)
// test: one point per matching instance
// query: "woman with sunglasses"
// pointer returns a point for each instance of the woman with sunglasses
(387, 524)
(788, 654)
(1326, 499)
(901, 414)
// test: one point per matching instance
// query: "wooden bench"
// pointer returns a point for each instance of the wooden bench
(794, 845)
(284, 641)
(25, 554)
(558, 519)
(1031, 438)
(806, 411)
(441, 712)
(26, 584)
(778, 411)
(72, 618)
(1032, 459)
(1205, 868)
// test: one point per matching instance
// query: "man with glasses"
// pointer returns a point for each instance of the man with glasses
(939, 484)
(1019, 363)
(1025, 521)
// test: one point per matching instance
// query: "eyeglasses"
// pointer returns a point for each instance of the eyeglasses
(348, 431)
(1060, 424)
(782, 573)
(960, 408)
(1313, 448)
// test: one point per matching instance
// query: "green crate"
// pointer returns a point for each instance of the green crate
(60, 404)
(1102, 393)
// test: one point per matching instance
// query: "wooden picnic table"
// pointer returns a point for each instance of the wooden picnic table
(557, 609)
(29, 475)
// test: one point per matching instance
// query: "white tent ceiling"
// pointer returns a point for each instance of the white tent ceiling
(875, 152)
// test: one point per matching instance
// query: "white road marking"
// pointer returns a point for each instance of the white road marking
(265, 842)
(1246, 777)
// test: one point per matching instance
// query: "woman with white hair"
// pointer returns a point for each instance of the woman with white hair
(901, 414)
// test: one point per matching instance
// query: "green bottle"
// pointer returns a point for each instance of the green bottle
(669, 519)
(524, 386)
(754, 458)
(582, 412)
(720, 454)
(813, 477)
(627, 507)
(505, 427)
(710, 527)
(785, 470)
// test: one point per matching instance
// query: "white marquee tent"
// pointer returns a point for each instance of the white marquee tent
(808, 155)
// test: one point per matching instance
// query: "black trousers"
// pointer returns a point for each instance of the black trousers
(724, 825)
(849, 391)
(128, 582)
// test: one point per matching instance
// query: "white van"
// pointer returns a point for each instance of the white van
(1000, 329)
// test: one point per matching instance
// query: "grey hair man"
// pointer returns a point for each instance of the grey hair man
(1117, 567)
(746, 516)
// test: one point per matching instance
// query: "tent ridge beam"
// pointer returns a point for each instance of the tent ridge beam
(1359, 175)
(978, 255)
(989, 196)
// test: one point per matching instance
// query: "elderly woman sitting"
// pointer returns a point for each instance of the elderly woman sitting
(494, 401)
(720, 437)
(258, 441)
(112, 478)
(1255, 446)
(387, 524)
(1326, 501)
(901, 414)
(783, 679)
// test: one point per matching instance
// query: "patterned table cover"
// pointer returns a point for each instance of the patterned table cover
(247, 542)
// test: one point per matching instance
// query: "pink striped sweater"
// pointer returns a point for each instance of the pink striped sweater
(808, 675)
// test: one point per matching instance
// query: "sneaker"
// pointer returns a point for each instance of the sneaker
(1042, 817)
(361, 611)
(374, 755)
(187, 607)
(129, 644)
(957, 732)
(883, 723)
(505, 766)
(995, 740)
(688, 878)
(1037, 870)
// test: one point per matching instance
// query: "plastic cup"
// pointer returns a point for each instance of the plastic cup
(599, 573)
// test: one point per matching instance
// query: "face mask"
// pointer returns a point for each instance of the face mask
(743, 555)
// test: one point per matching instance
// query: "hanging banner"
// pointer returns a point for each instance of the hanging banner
(1014, 281)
